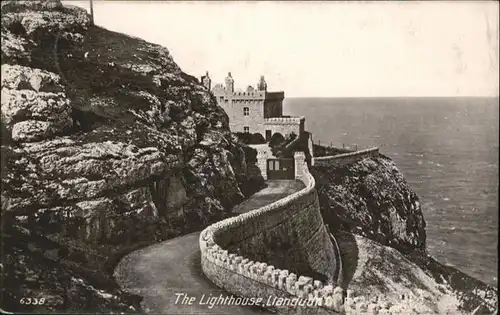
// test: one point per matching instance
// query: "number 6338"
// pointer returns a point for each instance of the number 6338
(32, 301)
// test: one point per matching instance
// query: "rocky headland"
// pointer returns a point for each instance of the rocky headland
(378, 222)
(108, 146)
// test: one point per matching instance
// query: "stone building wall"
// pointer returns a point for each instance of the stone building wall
(232, 252)
(273, 105)
(234, 103)
(285, 125)
(254, 119)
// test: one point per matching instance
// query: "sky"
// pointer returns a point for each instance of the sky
(324, 48)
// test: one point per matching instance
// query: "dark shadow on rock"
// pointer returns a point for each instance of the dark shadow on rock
(349, 254)
(251, 182)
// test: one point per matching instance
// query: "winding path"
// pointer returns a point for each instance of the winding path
(160, 271)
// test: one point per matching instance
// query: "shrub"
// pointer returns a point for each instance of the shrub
(279, 145)
(276, 140)
(250, 154)
(241, 137)
(248, 138)
(258, 138)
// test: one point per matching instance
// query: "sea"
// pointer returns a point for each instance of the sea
(446, 148)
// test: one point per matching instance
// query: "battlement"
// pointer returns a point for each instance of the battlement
(239, 95)
(254, 93)
(218, 90)
(229, 91)
(284, 120)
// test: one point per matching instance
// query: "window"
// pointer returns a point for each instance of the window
(273, 165)
(246, 111)
(246, 129)
(221, 98)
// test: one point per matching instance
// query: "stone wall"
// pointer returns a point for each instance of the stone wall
(262, 162)
(345, 158)
(299, 160)
(233, 252)
(310, 146)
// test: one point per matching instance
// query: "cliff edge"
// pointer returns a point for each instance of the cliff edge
(106, 146)
(378, 222)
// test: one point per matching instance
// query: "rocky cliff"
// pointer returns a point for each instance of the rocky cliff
(372, 198)
(106, 145)
(379, 224)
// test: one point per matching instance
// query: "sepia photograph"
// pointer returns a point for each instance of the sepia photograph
(249, 157)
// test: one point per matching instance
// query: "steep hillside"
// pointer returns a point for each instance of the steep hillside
(372, 211)
(106, 146)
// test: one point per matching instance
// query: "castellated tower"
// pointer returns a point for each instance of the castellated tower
(206, 81)
(262, 85)
(229, 83)
(255, 110)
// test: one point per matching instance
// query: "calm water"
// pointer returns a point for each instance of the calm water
(447, 149)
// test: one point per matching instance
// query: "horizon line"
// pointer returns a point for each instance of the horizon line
(399, 96)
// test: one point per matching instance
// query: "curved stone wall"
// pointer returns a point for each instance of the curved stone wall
(237, 254)
(345, 158)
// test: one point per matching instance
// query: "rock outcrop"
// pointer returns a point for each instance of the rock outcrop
(372, 198)
(379, 224)
(106, 145)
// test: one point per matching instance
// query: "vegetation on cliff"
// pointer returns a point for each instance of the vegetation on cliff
(379, 224)
(106, 146)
